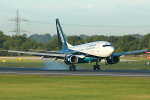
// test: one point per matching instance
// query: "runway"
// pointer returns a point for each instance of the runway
(78, 72)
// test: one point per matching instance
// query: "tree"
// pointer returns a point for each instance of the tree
(52, 45)
(95, 38)
(83, 36)
(29, 44)
(18, 42)
(74, 40)
(144, 43)
(127, 43)
(3, 38)
(112, 39)
(41, 38)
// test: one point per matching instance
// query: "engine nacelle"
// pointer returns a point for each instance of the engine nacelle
(113, 59)
(71, 59)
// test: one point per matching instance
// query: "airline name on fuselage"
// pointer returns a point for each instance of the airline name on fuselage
(92, 45)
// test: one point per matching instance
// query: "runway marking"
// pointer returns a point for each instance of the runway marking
(39, 73)
(108, 72)
(30, 73)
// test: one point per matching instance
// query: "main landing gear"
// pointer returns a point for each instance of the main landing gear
(72, 67)
(96, 66)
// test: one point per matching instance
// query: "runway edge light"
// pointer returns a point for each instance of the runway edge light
(4, 60)
(18, 58)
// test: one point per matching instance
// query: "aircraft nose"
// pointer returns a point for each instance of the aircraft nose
(111, 50)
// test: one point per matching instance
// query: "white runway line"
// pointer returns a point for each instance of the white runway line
(74, 74)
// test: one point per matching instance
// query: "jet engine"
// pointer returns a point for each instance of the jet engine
(71, 59)
(113, 59)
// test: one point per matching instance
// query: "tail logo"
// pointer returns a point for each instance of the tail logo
(60, 33)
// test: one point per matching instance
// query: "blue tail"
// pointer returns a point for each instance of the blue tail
(61, 38)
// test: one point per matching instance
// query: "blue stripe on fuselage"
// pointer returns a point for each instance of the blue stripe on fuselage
(87, 60)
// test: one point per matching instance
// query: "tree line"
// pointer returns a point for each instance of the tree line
(123, 43)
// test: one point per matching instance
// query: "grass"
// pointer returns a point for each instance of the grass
(133, 65)
(140, 64)
(45, 87)
(13, 62)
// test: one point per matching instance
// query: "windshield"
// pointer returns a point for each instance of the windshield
(106, 45)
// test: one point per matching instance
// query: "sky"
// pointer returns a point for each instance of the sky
(89, 17)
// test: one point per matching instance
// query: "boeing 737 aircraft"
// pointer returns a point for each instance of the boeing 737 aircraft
(84, 53)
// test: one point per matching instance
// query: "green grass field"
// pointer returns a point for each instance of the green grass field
(140, 64)
(13, 62)
(132, 65)
(45, 87)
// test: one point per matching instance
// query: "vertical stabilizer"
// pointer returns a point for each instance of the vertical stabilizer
(61, 38)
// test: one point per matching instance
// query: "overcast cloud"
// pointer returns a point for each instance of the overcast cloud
(81, 12)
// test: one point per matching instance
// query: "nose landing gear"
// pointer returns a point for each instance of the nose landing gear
(96, 66)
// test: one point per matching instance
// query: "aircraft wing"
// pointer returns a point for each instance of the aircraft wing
(45, 51)
(128, 53)
(45, 55)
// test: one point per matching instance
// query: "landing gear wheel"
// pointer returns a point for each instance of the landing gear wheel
(98, 67)
(94, 67)
(72, 67)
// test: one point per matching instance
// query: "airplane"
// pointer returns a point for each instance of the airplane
(84, 53)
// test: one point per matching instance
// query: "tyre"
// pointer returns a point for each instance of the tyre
(98, 67)
(94, 67)
(74, 67)
(70, 67)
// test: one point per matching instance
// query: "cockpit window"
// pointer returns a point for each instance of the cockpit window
(107, 45)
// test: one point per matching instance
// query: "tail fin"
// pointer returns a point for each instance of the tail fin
(61, 38)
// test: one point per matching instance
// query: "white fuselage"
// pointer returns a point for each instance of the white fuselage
(99, 48)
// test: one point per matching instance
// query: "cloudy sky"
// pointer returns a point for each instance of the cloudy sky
(90, 17)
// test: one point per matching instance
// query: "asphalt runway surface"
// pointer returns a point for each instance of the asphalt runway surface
(78, 72)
